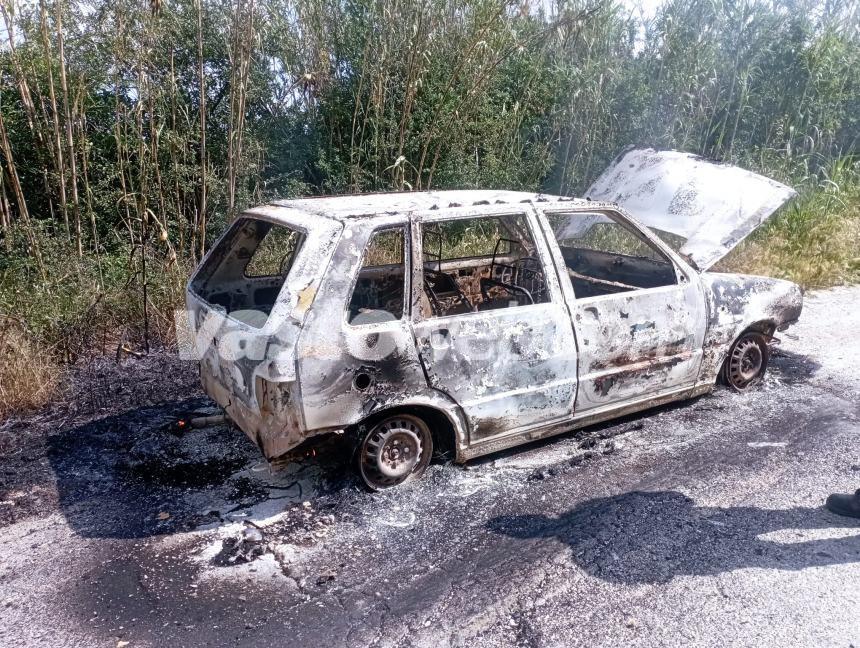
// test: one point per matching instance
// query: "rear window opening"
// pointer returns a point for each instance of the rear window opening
(244, 274)
(379, 293)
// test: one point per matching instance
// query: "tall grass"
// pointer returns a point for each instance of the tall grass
(29, 375)
(92, 302)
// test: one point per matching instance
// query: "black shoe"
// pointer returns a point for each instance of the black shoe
(848, 505)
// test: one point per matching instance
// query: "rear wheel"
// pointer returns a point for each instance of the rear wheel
(747, 361)
(394, 450)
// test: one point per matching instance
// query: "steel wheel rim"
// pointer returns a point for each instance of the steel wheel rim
(746, 362)
(392, 452)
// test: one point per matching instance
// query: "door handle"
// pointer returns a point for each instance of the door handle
(439, 337)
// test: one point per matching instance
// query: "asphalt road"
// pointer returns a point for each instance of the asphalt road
(698, 524)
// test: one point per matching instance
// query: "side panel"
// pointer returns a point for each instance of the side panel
(508, 369)
(639, 343)
(350, 371)
(736, 302)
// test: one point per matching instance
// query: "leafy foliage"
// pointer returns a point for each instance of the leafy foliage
(121, 158)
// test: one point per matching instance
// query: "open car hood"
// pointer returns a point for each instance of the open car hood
(713, 206)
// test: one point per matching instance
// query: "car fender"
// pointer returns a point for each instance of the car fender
(432, 399)
(737, 303)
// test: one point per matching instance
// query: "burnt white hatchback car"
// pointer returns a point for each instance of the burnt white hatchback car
(480, 320)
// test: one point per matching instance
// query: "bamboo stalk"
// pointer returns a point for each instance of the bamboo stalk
(5, 214)
(21, 202)
(84, 152)
(200, 226)
(70, 143)
(118, 129)
(55, 120)
(20, 77)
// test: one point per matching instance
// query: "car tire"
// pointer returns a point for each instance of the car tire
(394, 450)
(747, 361)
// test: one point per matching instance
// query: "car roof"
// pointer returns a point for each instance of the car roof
(352, 206)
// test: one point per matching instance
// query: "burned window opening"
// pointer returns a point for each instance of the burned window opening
(244, 274)
(478, 264)
(379, 292)
(604, 256)
(275, 253)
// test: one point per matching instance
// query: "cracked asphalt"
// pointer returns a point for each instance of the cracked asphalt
(696, 524)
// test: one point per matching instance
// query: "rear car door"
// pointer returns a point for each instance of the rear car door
(639, 312)
(491, 326)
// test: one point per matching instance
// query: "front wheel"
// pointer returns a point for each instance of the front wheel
(394, 450)
(747, 361)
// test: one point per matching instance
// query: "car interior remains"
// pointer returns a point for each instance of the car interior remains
(603, 256)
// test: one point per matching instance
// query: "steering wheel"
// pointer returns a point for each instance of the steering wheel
(528, 274)
(515, 290)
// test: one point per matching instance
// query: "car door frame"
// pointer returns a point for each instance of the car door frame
(481, 441)
(645, 377)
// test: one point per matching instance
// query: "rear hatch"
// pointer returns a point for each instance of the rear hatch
(711, 207)
(247, 300)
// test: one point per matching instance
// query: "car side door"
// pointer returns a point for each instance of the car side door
(639, 312)
(490, 322)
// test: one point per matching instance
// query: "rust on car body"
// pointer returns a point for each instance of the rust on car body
(494, 317)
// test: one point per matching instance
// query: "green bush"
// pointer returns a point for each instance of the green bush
(94, 302)
(815, 240)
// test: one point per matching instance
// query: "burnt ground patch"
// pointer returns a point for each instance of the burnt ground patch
(129, 475)
(792, 368)
(135, 474)
(96, 388)
(26, 487)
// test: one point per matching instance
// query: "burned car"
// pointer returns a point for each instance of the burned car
(481, 320)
